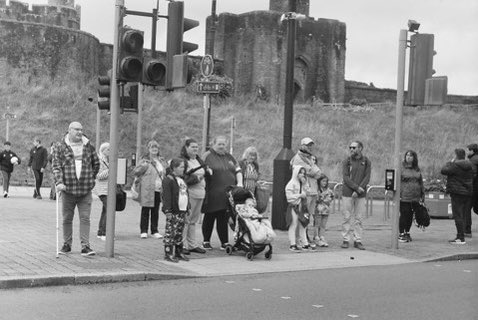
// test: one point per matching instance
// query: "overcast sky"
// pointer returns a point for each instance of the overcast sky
(373, 28)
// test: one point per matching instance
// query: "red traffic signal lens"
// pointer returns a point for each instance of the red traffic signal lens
(131, 67)
(133, 41)
(155, 71)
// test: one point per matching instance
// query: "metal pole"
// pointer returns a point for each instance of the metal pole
(402, 47)
(7, 133)
(115, 112)
(282, 170)
(205, 126)
(139, 129)
(98, 128)
(231, 148)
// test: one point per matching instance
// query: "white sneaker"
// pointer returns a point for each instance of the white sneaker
(322, 242)
(157, 235)
(144, 235)
(103, 238)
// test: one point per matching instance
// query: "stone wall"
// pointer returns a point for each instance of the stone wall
(253, 47)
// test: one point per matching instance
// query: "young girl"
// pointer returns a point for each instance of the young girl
(295, 191)
(175, 206)
(326, 195)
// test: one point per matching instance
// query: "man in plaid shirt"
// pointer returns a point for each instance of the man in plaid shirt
(75, 165)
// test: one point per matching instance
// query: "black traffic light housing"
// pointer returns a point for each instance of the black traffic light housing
(104, 92)
(154, 72)
(420, 67)
(177, 25)
(130, 55)
(129, 103)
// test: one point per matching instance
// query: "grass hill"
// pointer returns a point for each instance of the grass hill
(45, 108)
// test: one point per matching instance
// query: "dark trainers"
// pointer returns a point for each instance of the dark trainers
(294, 248)
(457, 241)
(407, 235)
(359, 245)
(309, 247)
(206, 245)
(223, 246)
(65, 249)
(402, 238)
(86, 251)
(345, 245)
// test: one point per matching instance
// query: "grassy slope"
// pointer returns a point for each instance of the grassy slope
(45, 109)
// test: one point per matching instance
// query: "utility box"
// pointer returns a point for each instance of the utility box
(436, 91)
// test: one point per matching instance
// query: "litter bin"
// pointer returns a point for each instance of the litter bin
(439, 205)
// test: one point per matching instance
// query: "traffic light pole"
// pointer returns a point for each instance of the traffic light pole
(205, 125)
(139, 130)
(98, 126)
(402, 47)
(115, 112)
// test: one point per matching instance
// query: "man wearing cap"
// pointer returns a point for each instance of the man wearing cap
(75, 165)
(473, 157)
(356, 170)
(8, 159)
(303, 158)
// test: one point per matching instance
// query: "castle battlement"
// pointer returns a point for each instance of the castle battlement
(61, 13)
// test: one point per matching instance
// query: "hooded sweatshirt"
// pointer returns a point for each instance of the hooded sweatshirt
(295, 188)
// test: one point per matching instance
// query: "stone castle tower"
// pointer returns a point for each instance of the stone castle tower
(253, 47)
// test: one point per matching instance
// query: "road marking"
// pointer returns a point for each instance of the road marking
(229, 281)
(317, 306)
(285, 298)
(438, 265)
(466, 270)
(256, 289)
(352, 316)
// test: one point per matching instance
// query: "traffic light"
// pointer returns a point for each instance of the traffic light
(104, 92)
(175, 45)
(420, 67)
(154, 72)
(130, 55)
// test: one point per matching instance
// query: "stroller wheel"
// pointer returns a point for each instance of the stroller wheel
(229, 249)
(268, 255)
(250, 256)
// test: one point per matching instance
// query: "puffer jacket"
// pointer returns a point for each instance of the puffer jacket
(459, 177)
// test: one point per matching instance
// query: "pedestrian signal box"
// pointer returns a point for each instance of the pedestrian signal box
(390, 180)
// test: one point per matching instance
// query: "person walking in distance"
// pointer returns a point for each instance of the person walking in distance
(8, 159)
(473, 157)
(459, 173)
(356, 170)
(75, 166)
(37, 164)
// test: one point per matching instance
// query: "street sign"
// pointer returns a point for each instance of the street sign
(208, 87)
(9, 116)
(207, 66)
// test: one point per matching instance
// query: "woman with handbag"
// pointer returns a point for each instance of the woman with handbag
(295, 192)
(412, 193)
(150, 172)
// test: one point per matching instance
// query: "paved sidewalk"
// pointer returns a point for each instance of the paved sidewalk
(28, 236)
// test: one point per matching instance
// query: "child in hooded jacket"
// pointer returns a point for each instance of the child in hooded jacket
(295, 191)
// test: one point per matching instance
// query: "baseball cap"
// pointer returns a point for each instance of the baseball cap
(306, 141)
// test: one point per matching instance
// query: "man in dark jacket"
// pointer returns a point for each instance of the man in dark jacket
(37, 164)
(473, 157)
(459, 174)
(8, 159)
(356, 170)
(75, 165)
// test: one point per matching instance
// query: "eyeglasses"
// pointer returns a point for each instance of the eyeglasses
(352, 147)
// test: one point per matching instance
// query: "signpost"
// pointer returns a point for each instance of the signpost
(207, 87)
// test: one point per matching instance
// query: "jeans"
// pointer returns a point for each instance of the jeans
(102, 223)
(292, 230)
(83, 203)
(6, 180)
(354, 209)
(145, 216)
(221, 226)
(38, 181)
(406, 215)
(459, 203)
(189, 232)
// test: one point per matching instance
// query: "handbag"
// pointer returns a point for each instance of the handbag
(422, 216)
(302, 212)
(136, 189)
(120, 198)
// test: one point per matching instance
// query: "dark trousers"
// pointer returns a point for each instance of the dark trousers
(38, 181)
(459, 204)
(145, 215)
(406, 215)
(6, 180)
(221, 226)
(102, 223)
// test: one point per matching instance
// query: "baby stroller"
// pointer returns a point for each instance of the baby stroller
(243, 239)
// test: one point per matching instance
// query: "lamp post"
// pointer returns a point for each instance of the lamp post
(282, 170)
(402, 50)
